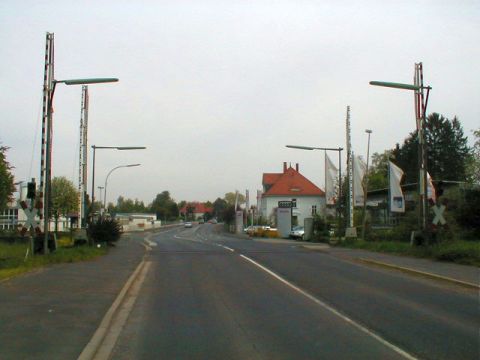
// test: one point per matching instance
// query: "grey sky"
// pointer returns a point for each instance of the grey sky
(215, 89)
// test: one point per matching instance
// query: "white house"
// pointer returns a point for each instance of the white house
(307, 198)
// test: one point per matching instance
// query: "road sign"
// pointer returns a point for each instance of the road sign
(285, 204)
(438, 212)
(31, 222)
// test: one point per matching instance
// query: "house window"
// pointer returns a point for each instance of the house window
(294, 203)
(314, 209)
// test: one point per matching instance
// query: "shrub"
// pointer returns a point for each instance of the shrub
(104, 230)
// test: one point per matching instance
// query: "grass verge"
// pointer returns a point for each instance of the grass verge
(460, 252)
(12, 258)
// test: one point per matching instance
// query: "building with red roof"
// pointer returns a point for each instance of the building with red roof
(197, 210)
(290, 185)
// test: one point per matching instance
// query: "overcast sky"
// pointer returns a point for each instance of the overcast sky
(216, 89)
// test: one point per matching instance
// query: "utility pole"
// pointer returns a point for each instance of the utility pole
(349, 171)
(82, 166)
(46, 146)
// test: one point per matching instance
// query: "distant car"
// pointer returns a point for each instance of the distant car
(187, 225)
(297, 232)
(201, 221)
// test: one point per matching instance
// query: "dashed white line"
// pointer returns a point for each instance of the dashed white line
(332, 310)
(226, 247)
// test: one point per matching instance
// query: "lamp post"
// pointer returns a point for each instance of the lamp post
(421, 103)
(339, 149)
(365, 188)
(48, 147)
(106, 181)
(94, 147)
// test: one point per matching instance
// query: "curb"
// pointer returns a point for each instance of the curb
(98, 337)
(420, 273)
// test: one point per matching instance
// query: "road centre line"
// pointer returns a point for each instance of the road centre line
(332, 310)
(226, 247)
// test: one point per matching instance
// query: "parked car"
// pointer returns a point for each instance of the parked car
(188, 225)
(297, 232)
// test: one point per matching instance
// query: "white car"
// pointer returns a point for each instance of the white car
(188, 225)
(297, 232)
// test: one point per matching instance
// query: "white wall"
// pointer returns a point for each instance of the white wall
(303, 209)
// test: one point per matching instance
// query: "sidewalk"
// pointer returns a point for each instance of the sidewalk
(52, 313)
(468, 276)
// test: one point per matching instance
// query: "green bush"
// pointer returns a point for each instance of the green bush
(104, 230)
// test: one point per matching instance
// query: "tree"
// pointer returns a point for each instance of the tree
(219, 206)
(64, 198)
(473, 168)
(164, 206)
(378, 172)
(7, 186)
(230, 198)
(447, 151)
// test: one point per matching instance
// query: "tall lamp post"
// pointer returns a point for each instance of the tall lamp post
(339, 150)
(421, 102)
(106, 181)
(48, 146)
(365, 188)
(94, 147)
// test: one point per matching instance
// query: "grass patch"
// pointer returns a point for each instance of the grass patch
(460, 252)
(12, 258)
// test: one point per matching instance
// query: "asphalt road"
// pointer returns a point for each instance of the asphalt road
(211, 296)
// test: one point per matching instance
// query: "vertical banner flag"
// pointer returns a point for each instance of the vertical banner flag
(330, 181)
(431, 189)
(259, 199)
(359, 169)
(397, 201)
(247, 200)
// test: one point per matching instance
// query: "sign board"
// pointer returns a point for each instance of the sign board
(285, 204)
(284, 221)
(438, 212)
(238, 221)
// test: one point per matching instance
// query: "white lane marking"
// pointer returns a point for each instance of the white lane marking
(150, 243)
(226, 247)
(332, 310)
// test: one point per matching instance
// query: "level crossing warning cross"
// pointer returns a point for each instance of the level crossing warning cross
(438, 212)
(31, 222)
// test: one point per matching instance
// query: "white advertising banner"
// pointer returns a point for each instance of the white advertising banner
(359, 169)
(397, 200)
(330, 181)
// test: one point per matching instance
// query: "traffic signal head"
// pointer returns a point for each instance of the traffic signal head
(31, 187)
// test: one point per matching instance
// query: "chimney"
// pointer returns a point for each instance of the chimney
(296, 167)
(284, 166)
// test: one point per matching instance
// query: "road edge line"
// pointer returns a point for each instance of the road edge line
(420, 273)
(333, 310)
(90, 350)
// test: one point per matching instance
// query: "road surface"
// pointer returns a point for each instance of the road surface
(208, 295)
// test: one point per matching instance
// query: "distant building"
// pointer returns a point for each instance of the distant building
(306, 197)
(195, 210)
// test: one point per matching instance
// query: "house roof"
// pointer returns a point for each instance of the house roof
(198, 208)
(270, 178)
(292, 183)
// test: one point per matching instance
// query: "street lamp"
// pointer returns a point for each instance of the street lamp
(106, 180)
(48, 146)
(94, 147)
(365, 189)
(421, 102)
(339, 149)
